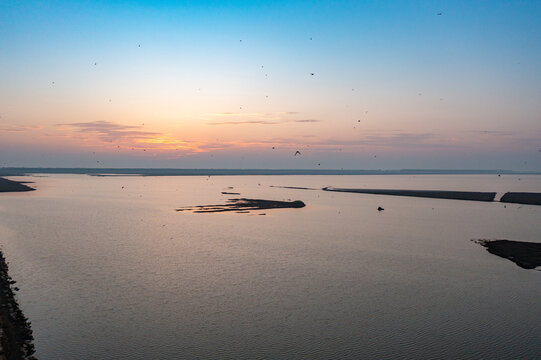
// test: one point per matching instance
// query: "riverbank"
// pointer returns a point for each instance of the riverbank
(16, 335)
(13, 186)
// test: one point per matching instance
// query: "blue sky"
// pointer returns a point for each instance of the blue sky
(230, 84)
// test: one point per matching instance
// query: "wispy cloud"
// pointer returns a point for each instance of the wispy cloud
(19, 127)
(262, 122)
(269, 118)
(109, 131)
(247, 122)
(305, 121)
(492, 132)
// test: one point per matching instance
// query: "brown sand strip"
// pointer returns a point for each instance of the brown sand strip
(435, 194)
(244, 205)
(527, 255)
(10, 185)
(522, 198)
(16, 337)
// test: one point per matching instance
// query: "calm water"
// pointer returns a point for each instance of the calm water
(107, 272)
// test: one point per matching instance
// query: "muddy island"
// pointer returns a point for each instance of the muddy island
(527, 255)
(10, 185)
(527, 198)
(244, 205)
(434, 194)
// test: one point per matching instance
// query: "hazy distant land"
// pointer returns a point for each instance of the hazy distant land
(17, 171)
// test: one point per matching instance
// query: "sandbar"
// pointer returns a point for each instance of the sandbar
(244, 205)
(12, 186)
(527, 255)
(527, 198)
(435, 194)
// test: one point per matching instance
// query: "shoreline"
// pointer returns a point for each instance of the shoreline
(16, 338)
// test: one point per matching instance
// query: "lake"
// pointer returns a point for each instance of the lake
(107, 269)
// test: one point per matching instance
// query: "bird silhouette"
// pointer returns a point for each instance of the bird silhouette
(297, 153)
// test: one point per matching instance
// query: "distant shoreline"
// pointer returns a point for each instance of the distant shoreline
(13, 186)
(20, 171)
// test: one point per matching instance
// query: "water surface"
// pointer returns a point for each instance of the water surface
(108, 269)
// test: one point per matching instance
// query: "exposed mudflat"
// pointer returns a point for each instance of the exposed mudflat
(10, 185)
(527, 255)
(435, 194)
(528, 198)
(244, 205)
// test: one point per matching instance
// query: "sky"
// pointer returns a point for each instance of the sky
(246, 84)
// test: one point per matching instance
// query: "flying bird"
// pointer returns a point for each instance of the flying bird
(312, 74)
(297, 153)
(439, 14)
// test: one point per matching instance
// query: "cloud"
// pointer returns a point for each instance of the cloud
(305, 121)
(19, 127)
(493, 132)
(247, 122)
(262, 122)
(109, 131)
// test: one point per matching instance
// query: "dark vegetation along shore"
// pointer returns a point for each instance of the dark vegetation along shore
(244, 205)
(527, 255)
(16, 336)
(436, 194)
(10, 185)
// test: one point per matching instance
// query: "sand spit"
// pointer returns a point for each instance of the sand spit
(244, 205)
(435, 194)
(10, 185)
(522, 198)
(294, 187)
(16, 336)
(527, 255)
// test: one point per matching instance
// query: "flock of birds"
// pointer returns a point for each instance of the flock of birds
(297, 152)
